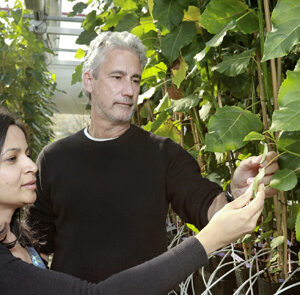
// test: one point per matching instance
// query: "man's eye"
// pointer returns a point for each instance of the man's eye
(11, 159)
(117, 77)
(137, 81)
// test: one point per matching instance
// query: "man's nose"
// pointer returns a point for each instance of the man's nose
(127, 89)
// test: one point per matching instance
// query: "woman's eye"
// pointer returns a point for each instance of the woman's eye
(137, 81)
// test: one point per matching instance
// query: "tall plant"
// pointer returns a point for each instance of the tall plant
(213, 83)
(26, 86)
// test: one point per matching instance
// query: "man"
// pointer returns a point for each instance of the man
(104, 192)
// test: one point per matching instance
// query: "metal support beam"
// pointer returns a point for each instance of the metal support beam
(63, 31)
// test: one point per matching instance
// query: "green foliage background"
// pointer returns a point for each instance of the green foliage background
(26, 86)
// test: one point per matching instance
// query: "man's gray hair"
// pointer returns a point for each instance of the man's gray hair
(107, 41)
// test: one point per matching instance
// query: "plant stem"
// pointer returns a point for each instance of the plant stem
(285, 234)
(180, 115)
(272, 61)
(262, 94)
(263, 65)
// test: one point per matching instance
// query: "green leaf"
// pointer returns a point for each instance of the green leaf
(179, 74)
(80, 53)
(163, 104)
(297, 227)
(154, 71)
(76, 76)
(192, 14)
(180, 37)
(146, 95)
(234, 65)
(290, 141)
(127, 23)
(286, 29)
(90, 21)
(78, 8)
(291, 162)
(228, 127)
(185, 104)
(284, 180)
(126, 4)
(219, 13)
(247, 239)
(256, 180)
(288, 87)
(287, 118)
(86, 37)
(16, 14)
(169, 129)
(277, 242)
(254, 136)
(159, 120)
(169, 13)
(215, 41)
(264, 155)
(192, 227)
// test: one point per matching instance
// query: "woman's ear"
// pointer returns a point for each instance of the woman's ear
(87, 79)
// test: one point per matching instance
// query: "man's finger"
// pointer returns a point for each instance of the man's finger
(272, 168)
(250, 163)
(270, 192)
(269, 157)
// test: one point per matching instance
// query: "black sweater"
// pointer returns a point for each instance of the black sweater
(157, 276)
(102, 206)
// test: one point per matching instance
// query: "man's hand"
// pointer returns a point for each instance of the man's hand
(234, 220)
(248, 169)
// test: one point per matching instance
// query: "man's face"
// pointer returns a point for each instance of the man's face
(115, 93)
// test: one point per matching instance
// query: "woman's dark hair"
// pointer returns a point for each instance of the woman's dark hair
(17, 228)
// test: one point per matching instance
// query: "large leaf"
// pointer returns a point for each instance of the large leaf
(86, 37)
(169, 13)
(180, 37)
(297, 227)
(126, 4)
(287, 118)
(127, 23)
(219, 13)
(284, 180)
(286, 29)
(290, 88)
(277, 242)
(215, 41)
(185, 104)
(234, 65)
(228, 127)
(78, 8)
(179, 73)
(292, 162)
(290, 141)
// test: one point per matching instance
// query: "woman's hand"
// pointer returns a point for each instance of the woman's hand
(234, 220)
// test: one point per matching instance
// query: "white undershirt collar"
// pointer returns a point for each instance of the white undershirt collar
(94, 138)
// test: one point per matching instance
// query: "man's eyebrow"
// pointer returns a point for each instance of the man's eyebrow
(124, 73)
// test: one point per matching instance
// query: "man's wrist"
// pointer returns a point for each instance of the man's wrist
(228, 194)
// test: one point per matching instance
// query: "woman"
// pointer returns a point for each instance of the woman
(21, 268)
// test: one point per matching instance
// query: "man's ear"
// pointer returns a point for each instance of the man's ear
(87, 79)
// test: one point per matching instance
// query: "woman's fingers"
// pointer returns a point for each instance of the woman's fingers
(257, 204)
(243, 200)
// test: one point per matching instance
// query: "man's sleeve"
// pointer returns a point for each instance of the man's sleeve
(40, 216)
(189, 193)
